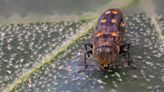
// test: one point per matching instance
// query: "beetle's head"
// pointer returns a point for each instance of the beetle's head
(106, 46)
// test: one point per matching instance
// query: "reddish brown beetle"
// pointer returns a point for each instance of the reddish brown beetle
(107, 39)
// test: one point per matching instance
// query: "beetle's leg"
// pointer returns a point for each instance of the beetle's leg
(90, 45)
(124, 49)
(85, 60)
(85, 57)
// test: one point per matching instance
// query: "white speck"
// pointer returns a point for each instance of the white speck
(120, 80)
(149, 87)
(79, 83)
(101, 86)
(8, 71)
(113, 90)
(134, 76)
(147, 79)
(21, 60)
(149, 63)
(106, 76)
(78, 53)
(117, 74)
(151, 76)
(100, 81)
(115, 85)
(66, 81)
(29, 85)
(29, 81)
(61, 67)
(9, 47)
(55, 83)
(139, 57)
(162, 78)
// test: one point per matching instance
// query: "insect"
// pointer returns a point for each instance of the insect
(107, 39)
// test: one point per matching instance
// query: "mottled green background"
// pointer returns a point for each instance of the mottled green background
(22, 46)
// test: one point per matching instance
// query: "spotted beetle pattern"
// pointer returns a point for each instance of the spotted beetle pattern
(108, 36)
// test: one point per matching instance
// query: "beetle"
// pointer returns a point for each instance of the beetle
(107, 39)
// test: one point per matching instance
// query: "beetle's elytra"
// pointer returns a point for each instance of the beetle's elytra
(107, 39)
